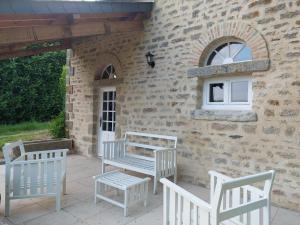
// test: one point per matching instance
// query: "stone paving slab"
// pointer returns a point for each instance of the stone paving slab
(79, 208)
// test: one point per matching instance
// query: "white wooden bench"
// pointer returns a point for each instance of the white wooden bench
(34, 174)
(233, 202)
(162, 162)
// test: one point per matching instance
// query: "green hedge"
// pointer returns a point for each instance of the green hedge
(30, 88)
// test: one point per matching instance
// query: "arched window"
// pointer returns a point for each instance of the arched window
(109, 72)
(230, 92)
(229, 52)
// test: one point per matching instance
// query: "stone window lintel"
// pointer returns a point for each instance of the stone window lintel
(233, 68)
(225, 115)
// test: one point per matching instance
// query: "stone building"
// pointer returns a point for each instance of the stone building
(226, 82)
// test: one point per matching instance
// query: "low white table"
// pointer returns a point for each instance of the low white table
(135, 189)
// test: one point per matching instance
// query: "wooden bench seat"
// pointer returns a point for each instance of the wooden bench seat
(161, 164)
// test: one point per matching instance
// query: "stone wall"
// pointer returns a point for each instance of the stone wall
(162, 100)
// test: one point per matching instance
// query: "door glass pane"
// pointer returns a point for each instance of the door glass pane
(104, 106)
(104, 126)
(105, 96)
(114, 126)
(104, 114)
(216, 92)
(110, 127)
(239, 91)
(110, 108)
(110, 116)
(111, 95)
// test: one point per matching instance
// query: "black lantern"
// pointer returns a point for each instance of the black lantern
(150, 59)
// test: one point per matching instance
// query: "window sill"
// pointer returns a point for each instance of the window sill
(239, 67)
(225, 115)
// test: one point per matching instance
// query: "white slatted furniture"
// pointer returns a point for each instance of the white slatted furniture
(135, 189)
(162, 164)
(233, 202)
(34, 174)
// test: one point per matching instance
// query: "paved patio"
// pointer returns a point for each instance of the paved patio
(79, 208)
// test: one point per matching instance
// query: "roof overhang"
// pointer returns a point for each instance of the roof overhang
(24, 22)
(74, 6)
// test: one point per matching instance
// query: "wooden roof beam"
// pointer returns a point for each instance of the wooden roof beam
(57, 32)
(30, 52)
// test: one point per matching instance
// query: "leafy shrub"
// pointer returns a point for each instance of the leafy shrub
(57, 126)
(29, 88)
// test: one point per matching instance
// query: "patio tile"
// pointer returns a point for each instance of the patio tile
(58, 218)
(286, 217)
(20, 215)
(153, 217)
(4, 221)
(87, 209)
(67, 200)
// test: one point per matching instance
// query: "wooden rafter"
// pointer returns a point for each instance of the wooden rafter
(20, 30)
(29, 52)
(57, 32)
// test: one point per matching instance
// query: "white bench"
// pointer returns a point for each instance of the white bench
(233, 202)
(135, 189)
(161, 164)
(34, 174)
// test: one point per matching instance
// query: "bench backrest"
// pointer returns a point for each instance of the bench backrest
(150, 141)
(9, 148)
(237, 200)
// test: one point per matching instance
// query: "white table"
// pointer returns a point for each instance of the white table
(135, 189)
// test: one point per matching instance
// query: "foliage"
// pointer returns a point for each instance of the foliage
(57, 126)
(29, 88)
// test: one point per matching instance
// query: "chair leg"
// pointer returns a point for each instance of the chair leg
(155, 186)
(65, 185)
(58, 201)
(103, 168)
(7, 205)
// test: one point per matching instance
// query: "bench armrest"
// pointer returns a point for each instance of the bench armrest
(165, 161)
(114, 149)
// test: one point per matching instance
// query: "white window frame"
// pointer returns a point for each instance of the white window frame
(227, 104)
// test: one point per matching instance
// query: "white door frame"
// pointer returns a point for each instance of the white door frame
(100, 132)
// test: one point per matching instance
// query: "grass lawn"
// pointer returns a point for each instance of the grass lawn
(26, 131)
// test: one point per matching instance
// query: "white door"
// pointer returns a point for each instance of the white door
(107, 117)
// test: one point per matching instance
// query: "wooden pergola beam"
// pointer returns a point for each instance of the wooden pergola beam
(58, 32)
(29, 52)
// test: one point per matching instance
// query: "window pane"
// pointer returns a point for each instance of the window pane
(104, 106)
(110, 116)
(235, 47)
(239, 91)
(104, 126)
(223, 50)
(111, 95)
(104, 95)
(244, 55)
(111, 108)
(104, 116)
(110, 127)
(216, 92)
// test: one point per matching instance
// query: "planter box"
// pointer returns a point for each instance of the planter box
(49, 145)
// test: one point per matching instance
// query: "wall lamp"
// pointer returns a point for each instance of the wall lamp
(150, 59)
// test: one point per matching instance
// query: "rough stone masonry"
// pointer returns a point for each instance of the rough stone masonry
(164, 99)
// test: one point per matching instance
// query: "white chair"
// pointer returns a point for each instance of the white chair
(233, 202)
(33, 174)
